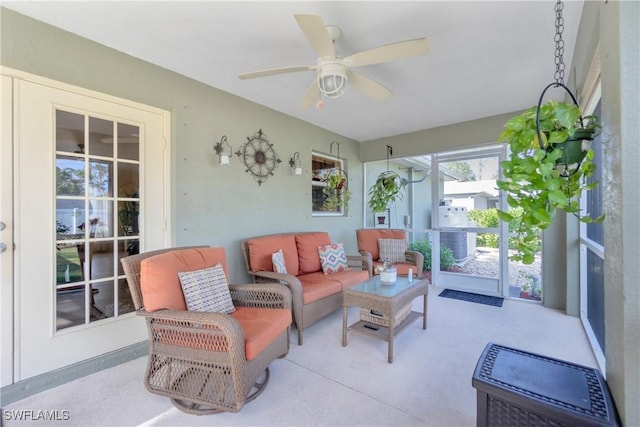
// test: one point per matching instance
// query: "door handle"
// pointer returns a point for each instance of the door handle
(3, 247)
(2, 226)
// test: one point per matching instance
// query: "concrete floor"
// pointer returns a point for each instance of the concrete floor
(324, 384)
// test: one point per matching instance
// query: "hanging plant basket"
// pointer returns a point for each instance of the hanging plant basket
(385, 190)
(561, 127)
(549, 161)
(337, 180)
(336, 192)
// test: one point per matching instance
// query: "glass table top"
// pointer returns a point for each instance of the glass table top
(375, 287)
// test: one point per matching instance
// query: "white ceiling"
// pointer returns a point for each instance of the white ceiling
(485, 58)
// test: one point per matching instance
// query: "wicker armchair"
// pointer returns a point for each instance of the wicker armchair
(200, 360)
(368, 245)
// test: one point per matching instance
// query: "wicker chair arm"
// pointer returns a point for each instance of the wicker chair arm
(218, 331)
(416, 258)
(291, 282)
(363, 261)
(263, 295)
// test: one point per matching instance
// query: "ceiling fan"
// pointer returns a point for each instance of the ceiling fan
(333, 72)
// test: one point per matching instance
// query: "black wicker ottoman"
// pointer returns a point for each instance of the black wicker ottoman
(516, 388)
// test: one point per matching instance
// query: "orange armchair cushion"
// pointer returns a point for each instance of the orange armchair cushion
(261, 249)
(261, 326)
(159, 282)
(368, 239)
(307, 245)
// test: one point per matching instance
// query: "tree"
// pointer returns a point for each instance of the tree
(463, 169)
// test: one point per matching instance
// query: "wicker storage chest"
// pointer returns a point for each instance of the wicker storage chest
(516, 388)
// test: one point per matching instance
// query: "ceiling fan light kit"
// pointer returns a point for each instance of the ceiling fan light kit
(334, 73)
(332, 79)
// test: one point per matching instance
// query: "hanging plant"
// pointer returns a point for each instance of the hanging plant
(386, 190)
(546, 170)
(336, 192)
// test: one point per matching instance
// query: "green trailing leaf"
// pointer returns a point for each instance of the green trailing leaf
(535, 183)
(506, 217)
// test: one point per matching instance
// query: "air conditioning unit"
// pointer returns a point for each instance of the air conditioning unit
(453, 216)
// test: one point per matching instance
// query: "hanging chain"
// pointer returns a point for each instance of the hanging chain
(559, 75)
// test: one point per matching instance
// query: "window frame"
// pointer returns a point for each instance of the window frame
(317, 183)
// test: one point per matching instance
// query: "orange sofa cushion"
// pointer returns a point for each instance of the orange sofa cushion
(260, 327)
(159, 282)
(307, 245)
(316, 286)
(348, 278)
(261, 249)
(368, 239)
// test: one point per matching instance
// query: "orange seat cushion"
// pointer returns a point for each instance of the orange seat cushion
(159, 282)
(368, 239)
(261, 326)
(316, 286)
(348, 278)
(262, 248)
(401, 267)
(307, 245)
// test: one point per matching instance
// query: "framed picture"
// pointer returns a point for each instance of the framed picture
(382, 219)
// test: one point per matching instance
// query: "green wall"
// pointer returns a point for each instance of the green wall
(211, 204)
(614, 25)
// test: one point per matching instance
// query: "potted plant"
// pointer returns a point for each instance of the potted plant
(549, 160)
(385, 190)
(336, 192)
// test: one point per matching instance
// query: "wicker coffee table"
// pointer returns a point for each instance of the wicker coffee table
(387, 300)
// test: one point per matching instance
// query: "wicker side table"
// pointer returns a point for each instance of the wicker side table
(516, 388)
(386, 300)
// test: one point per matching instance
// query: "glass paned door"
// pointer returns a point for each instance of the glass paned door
(94, 156)
(90, 187)
(468, 237)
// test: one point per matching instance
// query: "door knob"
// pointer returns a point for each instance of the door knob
(3, 247)
(2, 226)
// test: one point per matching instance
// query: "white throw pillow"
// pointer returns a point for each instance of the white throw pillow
(279, 265)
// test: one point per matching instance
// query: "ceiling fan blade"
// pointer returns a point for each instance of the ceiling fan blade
(275, 71)
(311, 95)
(387, 53)
(316, 31)
(369, 86)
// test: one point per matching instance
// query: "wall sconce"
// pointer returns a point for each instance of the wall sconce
(224, 151)
(296, 164)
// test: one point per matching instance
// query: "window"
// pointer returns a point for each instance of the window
(97, 210)
(329, 185)
(592, 253)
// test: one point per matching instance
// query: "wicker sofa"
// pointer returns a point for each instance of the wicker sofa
(314, 294)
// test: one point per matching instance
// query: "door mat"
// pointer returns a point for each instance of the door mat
(471, 297)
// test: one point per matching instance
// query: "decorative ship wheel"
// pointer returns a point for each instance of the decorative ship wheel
(259, 157)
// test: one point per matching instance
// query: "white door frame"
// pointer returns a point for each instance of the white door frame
(24, 364)
(466, 282)
(6, 234)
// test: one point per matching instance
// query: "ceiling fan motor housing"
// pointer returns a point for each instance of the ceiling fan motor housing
(332, 79)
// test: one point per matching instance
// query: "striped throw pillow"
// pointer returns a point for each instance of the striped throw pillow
(392, 249)
(206, 290)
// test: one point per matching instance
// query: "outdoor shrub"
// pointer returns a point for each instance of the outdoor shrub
(488, 218)
(447, 261)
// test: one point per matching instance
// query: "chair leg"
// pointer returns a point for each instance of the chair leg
(199, 409)
(260, 386)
